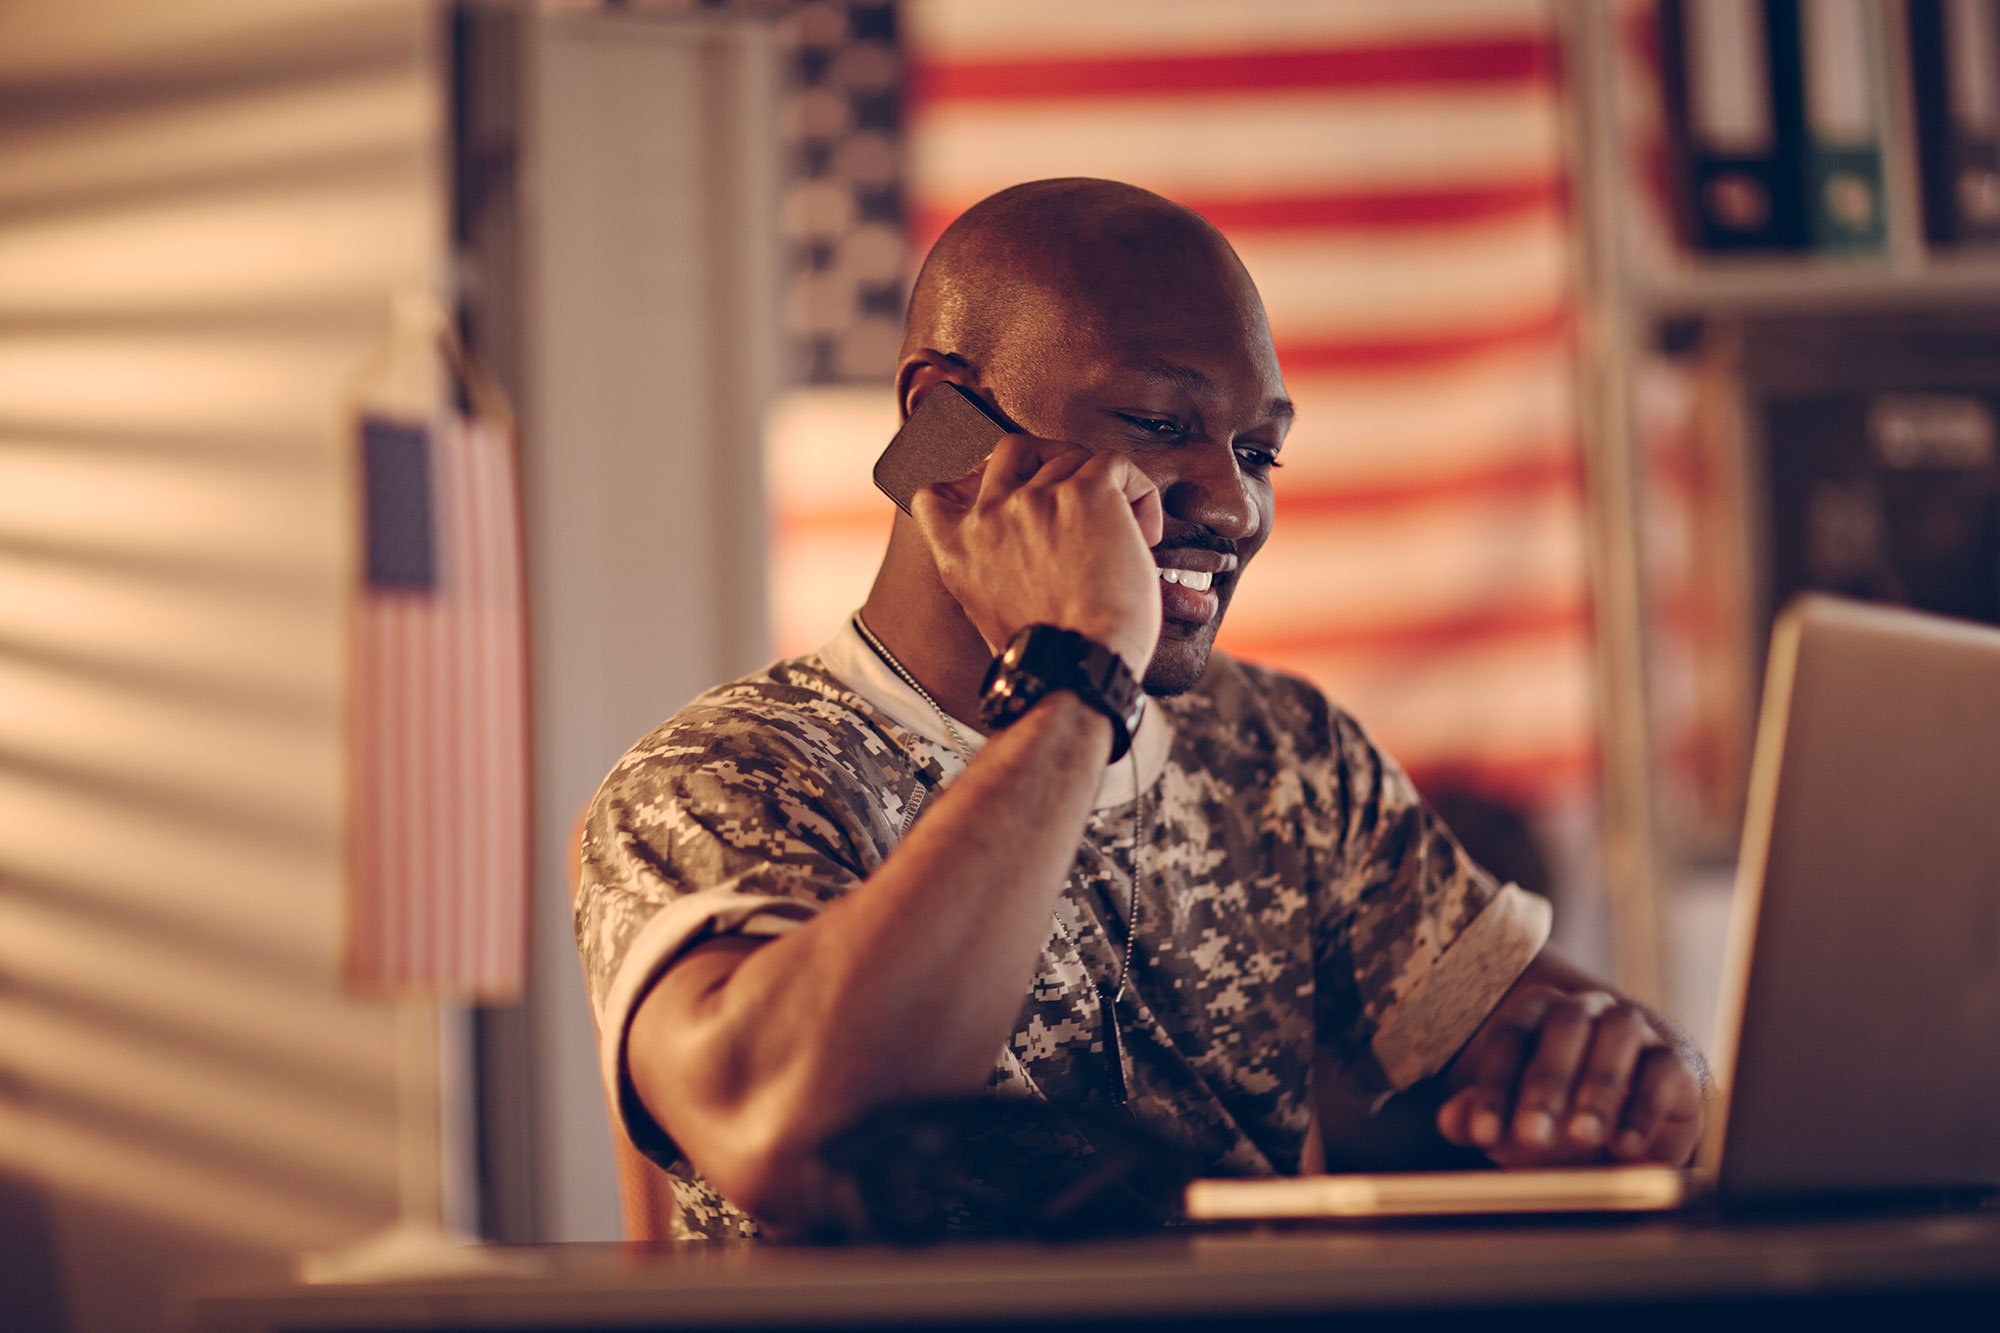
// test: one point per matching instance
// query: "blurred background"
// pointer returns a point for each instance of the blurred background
(1610, 325)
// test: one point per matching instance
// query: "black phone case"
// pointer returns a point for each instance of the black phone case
(945, 437)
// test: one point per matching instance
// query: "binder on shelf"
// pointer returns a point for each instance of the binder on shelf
(1733, 79)
(1876, 445)
(1888, 496)
(1955, 80)
(1842, 83)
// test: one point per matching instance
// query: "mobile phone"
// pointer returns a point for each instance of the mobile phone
(949, 432)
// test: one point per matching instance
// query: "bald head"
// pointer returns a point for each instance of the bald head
(1028, 272)
(1104, 316)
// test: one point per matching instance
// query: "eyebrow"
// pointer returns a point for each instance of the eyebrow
(1192, 380)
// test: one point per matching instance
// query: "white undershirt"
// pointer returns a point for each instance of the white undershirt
(848, 656)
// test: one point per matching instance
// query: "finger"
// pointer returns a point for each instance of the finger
(1663, 1118)
(1504, 1045)
(1058, 469)
(960, 492)
(1542, 1100)
(1139, 492)
(1455, 1117)
(1454, 1120)
(1151, 514)
(1605, 1079)
(936, 508)
(1015, 460)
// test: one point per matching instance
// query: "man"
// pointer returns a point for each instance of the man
(830, 887)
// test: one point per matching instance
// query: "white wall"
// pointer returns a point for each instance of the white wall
(647, 269)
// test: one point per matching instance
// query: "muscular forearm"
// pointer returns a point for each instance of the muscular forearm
(905, 988)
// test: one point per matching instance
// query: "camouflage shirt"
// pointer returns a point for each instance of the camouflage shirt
(1295, 896)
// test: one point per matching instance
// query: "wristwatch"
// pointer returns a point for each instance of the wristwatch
(1042, 659)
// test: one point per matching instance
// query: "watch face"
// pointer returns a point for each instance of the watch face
(1043, 658)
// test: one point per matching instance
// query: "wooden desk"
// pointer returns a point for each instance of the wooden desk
(1642, 1274)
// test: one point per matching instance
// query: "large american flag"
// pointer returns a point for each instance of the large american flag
(1391, 172)
(438, 720)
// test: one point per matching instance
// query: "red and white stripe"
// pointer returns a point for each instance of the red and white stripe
(439, 819)
(1391, 173)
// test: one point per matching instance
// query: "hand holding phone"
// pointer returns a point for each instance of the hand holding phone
(1057, 534)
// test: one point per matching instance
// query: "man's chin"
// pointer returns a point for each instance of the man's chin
(1179, 662)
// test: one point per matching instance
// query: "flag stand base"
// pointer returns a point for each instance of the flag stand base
(420, 1243)
(408, 1250)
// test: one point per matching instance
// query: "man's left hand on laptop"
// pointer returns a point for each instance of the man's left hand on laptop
(1558, 1077)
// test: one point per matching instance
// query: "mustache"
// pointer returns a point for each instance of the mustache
(1199, 539)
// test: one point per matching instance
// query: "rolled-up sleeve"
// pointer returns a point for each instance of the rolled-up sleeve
(706, 829)
(1415, 944)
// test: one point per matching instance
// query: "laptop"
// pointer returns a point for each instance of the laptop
(1860, 1014)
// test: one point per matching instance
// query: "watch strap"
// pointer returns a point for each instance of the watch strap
(1042, 659)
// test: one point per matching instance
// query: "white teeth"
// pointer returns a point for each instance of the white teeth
(1198, 579)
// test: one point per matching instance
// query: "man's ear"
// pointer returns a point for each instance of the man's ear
(922, 370)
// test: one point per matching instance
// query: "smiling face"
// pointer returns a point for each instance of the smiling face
(1155, 346)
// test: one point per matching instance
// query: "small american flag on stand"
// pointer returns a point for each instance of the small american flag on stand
(438, 716)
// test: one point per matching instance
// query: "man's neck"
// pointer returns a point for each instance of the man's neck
(924, 629)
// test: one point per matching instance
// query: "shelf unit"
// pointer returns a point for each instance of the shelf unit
(1630, 284)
